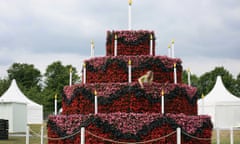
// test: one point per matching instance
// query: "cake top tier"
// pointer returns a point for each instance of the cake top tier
(130, 42)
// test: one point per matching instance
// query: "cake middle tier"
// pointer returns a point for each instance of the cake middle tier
(116, 68)
(125, 97)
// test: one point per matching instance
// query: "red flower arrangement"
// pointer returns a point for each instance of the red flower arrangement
(126, 112)
(130, 127)
(115, 69)
(130, 42)
(125, 97)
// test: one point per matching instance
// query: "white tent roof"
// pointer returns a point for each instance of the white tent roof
(221, 105)
(219, 94)
(14, 94)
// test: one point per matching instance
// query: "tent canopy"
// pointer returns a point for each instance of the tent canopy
(220, 94)
(221, 105)
(14, 94)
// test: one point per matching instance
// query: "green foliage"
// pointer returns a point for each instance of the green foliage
(48, 101)
(25, 74)
(236, 89)
(4, 84)
(34, 94)
(28, 79)
(193, 78)
(56, 77)
(208, 80)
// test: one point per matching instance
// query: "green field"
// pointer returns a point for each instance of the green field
(225, 137)
(22, 139)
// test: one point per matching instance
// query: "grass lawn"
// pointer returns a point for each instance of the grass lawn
(224, 134)
(225, 137)
(22, 139)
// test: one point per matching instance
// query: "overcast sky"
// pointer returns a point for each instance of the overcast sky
(39, 32)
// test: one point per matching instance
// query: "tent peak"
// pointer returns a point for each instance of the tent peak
(220, 93)
(14, 94)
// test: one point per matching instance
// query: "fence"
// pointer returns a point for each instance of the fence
(230, 135)
(83, 131)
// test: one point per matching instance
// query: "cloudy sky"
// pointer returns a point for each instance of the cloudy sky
(39, 32)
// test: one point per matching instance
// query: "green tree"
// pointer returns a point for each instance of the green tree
(35, 95)
(4, 84)
(237, 86)
(56, 77)
(26, 75)
(193, 78)
(238, 79)
(207, 80)
(48, 101)
(28, 79)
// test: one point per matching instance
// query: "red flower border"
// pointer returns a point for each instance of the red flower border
(130, 127)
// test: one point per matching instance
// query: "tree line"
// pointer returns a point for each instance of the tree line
(42, 88)
(38, 87)
(206, 81)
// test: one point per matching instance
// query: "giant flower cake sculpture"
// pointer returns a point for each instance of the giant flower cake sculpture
(127, 113)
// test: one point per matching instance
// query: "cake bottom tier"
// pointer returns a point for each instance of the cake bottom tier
(148, 128)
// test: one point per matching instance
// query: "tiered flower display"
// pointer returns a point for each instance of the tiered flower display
(113, 109)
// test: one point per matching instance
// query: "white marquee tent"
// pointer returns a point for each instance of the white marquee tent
(221, 105)
(14, 95)
(16, 114)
